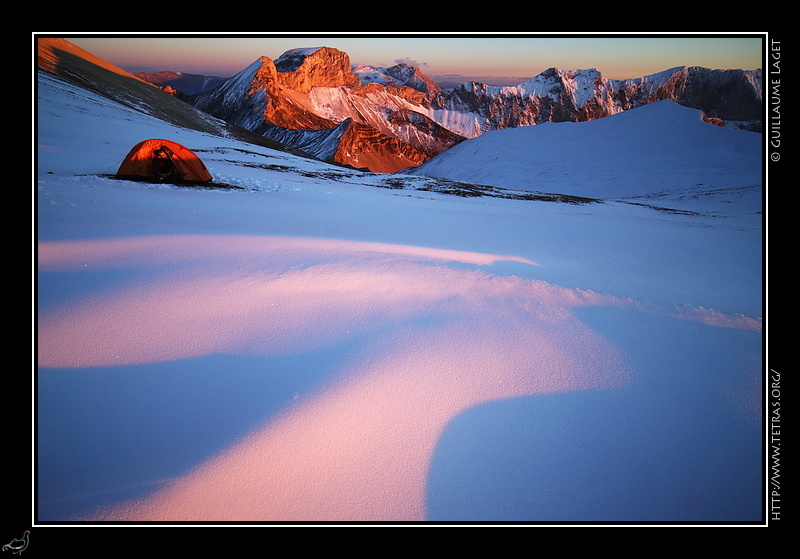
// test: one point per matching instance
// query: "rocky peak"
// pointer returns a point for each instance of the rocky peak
(411, 76)
(292, 59)
(303, 69)
(265, 75)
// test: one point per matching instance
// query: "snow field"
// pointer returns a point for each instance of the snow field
(317, 349)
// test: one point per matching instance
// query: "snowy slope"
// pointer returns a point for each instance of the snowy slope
(316, 345)
(659, 148)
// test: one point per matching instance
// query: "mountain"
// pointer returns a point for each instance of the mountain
(726, 97)
(656, 148)
(187, 84)
(388, 119)
(399, 74)
(312, 98)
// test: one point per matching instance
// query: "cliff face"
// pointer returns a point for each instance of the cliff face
(301, 70)
(365, 147)
(391, 118)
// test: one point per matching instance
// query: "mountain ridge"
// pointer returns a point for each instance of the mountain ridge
(317, 91)
(181, 82)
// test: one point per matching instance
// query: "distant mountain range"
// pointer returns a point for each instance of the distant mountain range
(188, 84)
(389, 119)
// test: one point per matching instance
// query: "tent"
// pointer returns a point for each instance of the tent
(163, 160)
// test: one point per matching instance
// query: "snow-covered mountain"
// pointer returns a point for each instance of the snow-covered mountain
(727, 97)
(318, 344)
(387, 119)
(660, 148)
(312, 98)
(401, 74)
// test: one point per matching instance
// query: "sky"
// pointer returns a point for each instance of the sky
(494, 59)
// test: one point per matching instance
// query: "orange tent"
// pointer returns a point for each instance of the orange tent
(163, 160)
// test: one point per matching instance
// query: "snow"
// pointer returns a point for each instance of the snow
(371, 74)
(657, 148)
(290, 60)
(317, 347)
(579, 84)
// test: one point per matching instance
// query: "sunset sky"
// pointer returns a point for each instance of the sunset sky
(498, 60)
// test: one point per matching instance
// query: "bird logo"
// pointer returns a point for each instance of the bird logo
(18, 545)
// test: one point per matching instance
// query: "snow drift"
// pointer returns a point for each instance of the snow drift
(659, 148)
